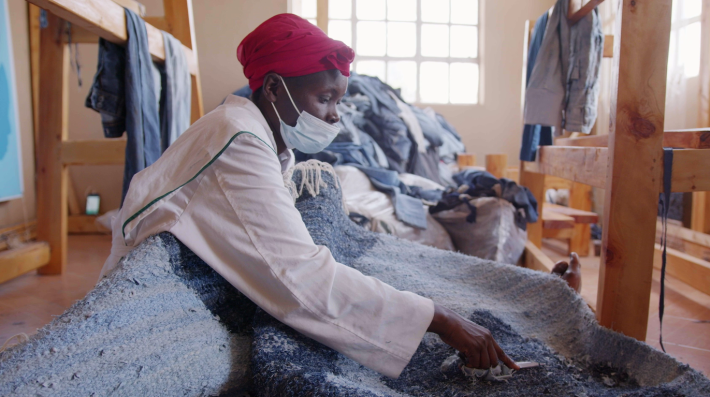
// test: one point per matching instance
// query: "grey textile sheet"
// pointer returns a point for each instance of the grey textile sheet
(164, 323)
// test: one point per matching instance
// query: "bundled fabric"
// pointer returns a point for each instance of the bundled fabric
(474, 183)
(494, 235)
(376, 210)
(290, 46)
(124, 92)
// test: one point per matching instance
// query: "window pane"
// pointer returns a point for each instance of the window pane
(689, 53)
(309, 8)
(371, 38)
(403, 74)
(464, 41)
(692, 8)
(371, 9)
(313, 21)
(435, 11)
(434, 82)
(464, 11)
(401, 39)
(340, 9)
(341, 30)
(464, 83)
(435, 40)
(402, 10)
(371, 68)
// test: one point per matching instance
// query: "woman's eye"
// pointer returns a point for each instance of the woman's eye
(324, 100)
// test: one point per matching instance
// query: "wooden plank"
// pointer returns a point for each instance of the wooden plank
(24, 259)
(496, 164)
(465, 160)
(686, 268)
(577, 14)
(555, 182)
(53, 130)
(179, 17)
(103, 151)
(18, 233)
(587, 165)
(133, 5)
(535, 182)
(608, 51)
(635, 164)
(72, 198)
(33, 14)
(86, 224)
(564, 234)
(578, 216)
(107, 19)
(691, 170)
(684, 234)
(535, 259)
(700, 217)
(159, 23)
(554, 220)
(684, 139)
(581, 200)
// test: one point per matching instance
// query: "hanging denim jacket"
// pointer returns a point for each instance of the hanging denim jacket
(563, 91)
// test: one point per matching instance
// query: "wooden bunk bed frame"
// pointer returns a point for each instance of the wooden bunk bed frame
(628, 164)
(54, 152)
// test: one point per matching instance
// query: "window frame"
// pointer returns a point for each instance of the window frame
(418, 58)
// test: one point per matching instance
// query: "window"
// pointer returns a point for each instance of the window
(684, 54)
(428, 48)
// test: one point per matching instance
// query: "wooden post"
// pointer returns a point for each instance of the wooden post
(536, 183)
(580, 198)
(322, 15)
(700, 220)
(178, 16)
(53, 130)
(466, 160)
(496, 164)
(635, 165)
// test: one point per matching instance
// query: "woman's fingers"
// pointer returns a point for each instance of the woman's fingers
(492, 355)
(504, 357)
(485, 360)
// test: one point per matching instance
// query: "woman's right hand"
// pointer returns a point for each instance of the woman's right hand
(473, 341)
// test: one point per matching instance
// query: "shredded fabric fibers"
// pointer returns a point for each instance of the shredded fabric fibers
(164, 323)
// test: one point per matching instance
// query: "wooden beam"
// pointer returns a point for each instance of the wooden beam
(496, 164)
(53, 131)
(585, 165)
(682, 139)
(179, 18)
(700, 217)
(466, 160)
(577, 14)
(686, 268)
(608, 51)
(535, 182)
(635, 164)
(581, 201)
(691, 170)
(554, 220)
(103, 151)
(578, 216)
(24, 259)
(107, 19)
(535, 259)
(555, 182)
(18, 233)
(564, 234)
(85, 224)
(158, 22)
(33, 14)
(133, 5)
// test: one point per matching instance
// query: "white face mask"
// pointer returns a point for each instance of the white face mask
(310, 135)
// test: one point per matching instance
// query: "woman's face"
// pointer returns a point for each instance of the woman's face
(316, 93)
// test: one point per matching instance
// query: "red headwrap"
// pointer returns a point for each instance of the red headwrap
(290, 46)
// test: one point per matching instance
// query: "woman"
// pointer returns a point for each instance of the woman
(219, 190)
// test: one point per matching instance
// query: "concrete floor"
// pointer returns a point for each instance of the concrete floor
(31, 301)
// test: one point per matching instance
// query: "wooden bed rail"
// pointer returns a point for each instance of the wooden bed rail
(106, 19)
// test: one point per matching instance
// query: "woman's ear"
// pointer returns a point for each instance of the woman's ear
(270, 87)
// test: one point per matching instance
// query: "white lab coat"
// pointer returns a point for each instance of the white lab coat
(219, 190)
